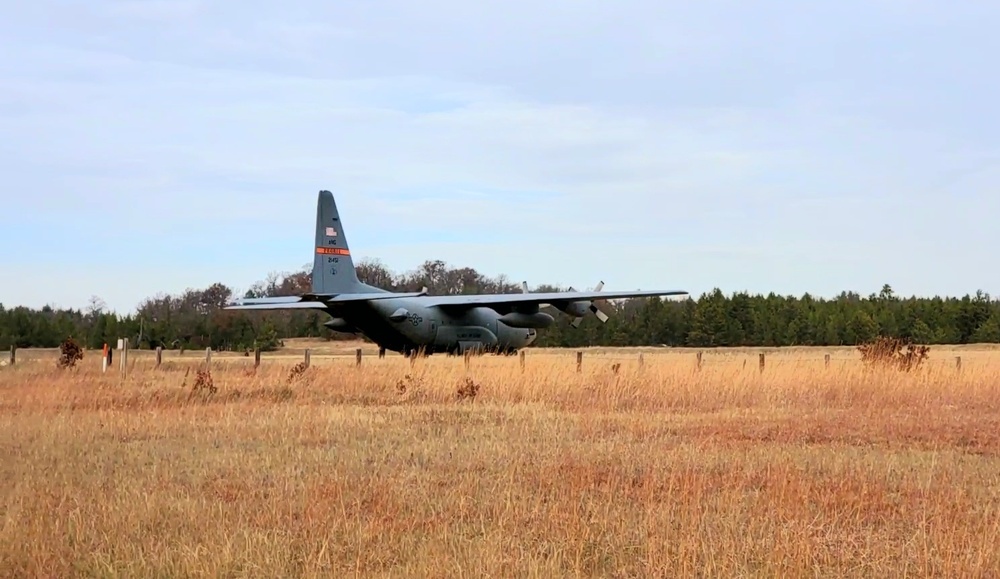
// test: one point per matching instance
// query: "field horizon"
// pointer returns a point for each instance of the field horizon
(431, 468)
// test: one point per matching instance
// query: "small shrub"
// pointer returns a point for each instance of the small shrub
(468, 389)
(407, 384)
(69, 353)
(203, 382)
(297, 371)
(886, 352)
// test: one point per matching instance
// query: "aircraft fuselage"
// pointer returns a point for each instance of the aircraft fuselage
(404, 325)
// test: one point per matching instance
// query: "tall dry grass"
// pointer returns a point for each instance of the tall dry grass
(434, 470)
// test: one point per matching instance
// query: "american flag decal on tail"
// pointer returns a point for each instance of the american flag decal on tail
(331, 232)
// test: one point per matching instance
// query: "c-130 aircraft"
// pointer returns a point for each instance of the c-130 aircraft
(417, 323)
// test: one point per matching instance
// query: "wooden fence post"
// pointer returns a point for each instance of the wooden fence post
(958, 363)
(381, 352)
(642, 362)
(357, 357)
(256, 357)
(159, 356)
(521, 356)
(762, 361)
(208, 359)
(123, 362)
(308, 358)
(698, 361)
(13, 354)
(579, 362)
(826, 361)
(468, 356)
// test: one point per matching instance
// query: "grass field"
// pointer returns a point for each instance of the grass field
(435, 469)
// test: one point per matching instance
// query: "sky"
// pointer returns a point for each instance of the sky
(152, 146)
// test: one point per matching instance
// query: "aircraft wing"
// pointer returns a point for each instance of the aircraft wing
(504, 302)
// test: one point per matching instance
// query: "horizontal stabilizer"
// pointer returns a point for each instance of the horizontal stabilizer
(274, 300)
(341, 298)
(315, 301)
(278, 306)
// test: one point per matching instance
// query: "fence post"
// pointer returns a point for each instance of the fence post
(698, 361)
(357, 356)
(208, 358)
(642, 362)
(308, 359)
(579, 362)
(256, 357)
(958, 363)
(159, 356)
(468, 356)
(381, 352)
(13, 354)
(521, 356)
(123, 362)
(826, 361)
(762, 361)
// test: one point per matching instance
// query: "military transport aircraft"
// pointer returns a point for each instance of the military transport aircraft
(415, 322)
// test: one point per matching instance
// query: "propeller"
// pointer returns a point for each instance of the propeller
(595, 307)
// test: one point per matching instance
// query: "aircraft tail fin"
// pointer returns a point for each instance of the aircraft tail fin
(333, 269)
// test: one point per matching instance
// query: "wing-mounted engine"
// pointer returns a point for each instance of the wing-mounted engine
(535, 320)
(340, 325)
(579, 309)
(576, 309)
(526, 316)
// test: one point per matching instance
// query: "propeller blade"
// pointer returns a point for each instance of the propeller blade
(595, 306)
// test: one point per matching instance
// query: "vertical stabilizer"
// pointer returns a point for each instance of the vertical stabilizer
(333, 269)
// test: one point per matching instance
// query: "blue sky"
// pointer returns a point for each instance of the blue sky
(770, 146)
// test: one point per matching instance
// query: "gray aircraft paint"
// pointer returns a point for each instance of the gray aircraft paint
(333, 267)
(408, 322)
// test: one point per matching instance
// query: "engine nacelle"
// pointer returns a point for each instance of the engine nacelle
(577, 309)
(523, 320)
(340, 325)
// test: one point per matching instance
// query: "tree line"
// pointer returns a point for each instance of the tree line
(195, 318)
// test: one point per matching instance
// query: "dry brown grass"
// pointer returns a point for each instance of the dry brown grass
(432, 470)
